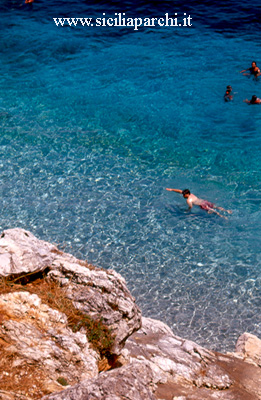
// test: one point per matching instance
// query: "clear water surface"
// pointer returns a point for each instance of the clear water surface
(96, 123)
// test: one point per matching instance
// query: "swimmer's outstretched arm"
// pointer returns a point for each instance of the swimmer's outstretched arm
(174, 190)
(245, 72)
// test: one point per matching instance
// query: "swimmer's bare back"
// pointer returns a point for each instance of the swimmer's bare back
(206, 205)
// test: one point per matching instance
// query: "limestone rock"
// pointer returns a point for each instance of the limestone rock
(179, 359)
(163, 366)
(38, 342)
(249, 346)
(135, 382)
(186, 370)
(98, 293)
(21, 252)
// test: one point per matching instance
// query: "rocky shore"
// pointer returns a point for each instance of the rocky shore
(71, 331)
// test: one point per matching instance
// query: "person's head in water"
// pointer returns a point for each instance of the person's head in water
(229, 88)
(185, 193)
(253, 64)
(253, 100)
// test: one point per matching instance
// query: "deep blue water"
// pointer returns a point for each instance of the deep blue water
(97, 122)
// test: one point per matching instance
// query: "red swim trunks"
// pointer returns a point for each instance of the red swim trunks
(206, 205)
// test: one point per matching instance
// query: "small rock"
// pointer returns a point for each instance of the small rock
(249, 346)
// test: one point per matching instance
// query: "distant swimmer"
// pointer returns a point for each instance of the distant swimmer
(254, 100)
(253, 70)
(29, 1)
(203, 204)
(228, 96)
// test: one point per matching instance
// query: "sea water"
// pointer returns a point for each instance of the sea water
(97, 122)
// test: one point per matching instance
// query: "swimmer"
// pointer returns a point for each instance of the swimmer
(203, 204)
(254, 100)
(228, 96)
(29, 1)
(254, 70)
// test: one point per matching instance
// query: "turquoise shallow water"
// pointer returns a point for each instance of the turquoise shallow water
(96, 124)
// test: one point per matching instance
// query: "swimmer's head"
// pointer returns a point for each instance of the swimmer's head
(185, 193)
(254, 98)
(229, 88)
(253, 63)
